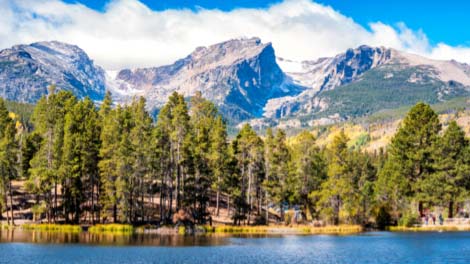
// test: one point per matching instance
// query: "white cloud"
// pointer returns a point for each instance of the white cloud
(129, 34)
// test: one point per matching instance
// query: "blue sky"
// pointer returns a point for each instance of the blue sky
(442, 21)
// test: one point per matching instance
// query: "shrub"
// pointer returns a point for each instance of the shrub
(38, 210)
(289, 217)
(111, 228)
(408, 220)
(52, 227)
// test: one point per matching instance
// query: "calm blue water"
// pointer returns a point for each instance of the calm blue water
(379, 247)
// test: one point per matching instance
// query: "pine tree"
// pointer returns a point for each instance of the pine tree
(173, 124)
(110, 137)
(8, 159)
(277, 156)
(140, 136)
(269, 172)
(410, 158)
(161, 162)
(363, 177)
(48, 119)
(249, 154)
(125, 182)
(308, 169)
(80, 158)
(336, 195)
(219, 158)
(209, 150)
(29, 147)
(447, 184)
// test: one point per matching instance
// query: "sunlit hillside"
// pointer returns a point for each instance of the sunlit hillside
(376, 132)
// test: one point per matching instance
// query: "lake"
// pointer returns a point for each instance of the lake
(372, 247)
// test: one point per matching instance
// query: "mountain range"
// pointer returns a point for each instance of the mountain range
(246, 80)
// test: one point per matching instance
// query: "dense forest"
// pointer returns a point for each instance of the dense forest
(115, 163)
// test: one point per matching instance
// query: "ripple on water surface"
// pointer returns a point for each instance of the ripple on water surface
(375, 247)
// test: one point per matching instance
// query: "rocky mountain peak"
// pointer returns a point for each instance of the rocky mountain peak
(239, 75)
(27, 70)
(229, 51)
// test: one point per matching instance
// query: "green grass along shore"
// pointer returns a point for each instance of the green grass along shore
(435, 228)
(200, 229)
(227, 229)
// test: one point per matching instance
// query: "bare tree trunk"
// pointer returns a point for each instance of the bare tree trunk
(11, 205)
(6, 208)
(217, 202)
(451, 209)
(98, 195)
(170, 207)
(228, 205)
(250, 176)
(267, 209)
(49, 207)
(161, 199)
(177, 195)
(142, 204)
(93, 199)
(130, 217)
(420, 208)
(115, 212)
(55, 201)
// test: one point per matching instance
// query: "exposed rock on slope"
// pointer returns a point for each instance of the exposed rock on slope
(364, 80)
(239, 76)
(27, 70)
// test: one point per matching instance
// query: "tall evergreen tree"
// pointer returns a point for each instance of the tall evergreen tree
(308, 169)
(80, 159)
(342, 194)
(278, 158)
(410, 158)
(451, 177)
(110, 138)
(248, 151)
(219, 158)
(48, 119)
(140, 136)
(125, 182)
(202, 117)
(173, 124)
(8, 159)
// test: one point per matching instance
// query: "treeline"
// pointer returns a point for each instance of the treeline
(116, 164)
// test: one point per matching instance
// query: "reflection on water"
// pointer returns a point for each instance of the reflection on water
(42, 237)
(381, 247)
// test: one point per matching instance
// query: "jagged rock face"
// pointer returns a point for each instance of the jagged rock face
(370, 71)
(27, 70)
(346, 67)
(239, 76)
(322, 75)
(328, 73)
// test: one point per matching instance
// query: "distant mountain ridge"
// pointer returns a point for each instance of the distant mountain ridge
(246, 80)
(367, 79)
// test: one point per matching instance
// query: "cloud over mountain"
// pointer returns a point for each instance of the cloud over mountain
(129, 34)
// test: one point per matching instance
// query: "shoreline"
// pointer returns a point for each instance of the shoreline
(434, 228)
(124, 229)
(190, 230)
